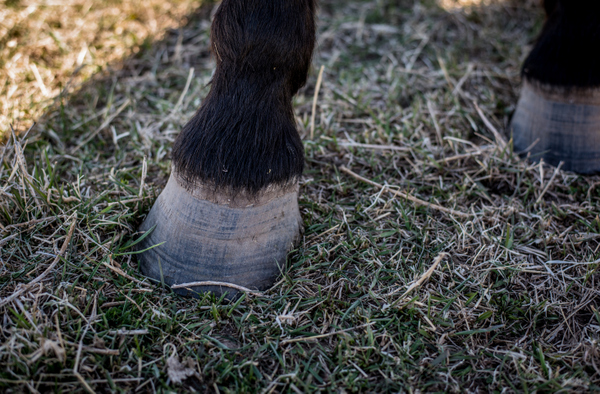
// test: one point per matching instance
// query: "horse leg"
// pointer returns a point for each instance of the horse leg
(229, 213)
(558, 114)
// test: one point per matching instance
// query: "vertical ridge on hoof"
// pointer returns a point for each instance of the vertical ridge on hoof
(207, 235)
(559, 124)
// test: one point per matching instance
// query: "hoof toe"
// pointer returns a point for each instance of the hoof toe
(226, 242)
(557, 125)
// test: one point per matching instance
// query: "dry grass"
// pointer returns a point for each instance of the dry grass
(386, 293)
(47, 46)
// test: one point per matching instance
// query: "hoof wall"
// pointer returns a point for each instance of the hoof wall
(559, 125)
(205, 236)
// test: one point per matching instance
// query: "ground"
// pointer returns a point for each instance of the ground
(433, 258)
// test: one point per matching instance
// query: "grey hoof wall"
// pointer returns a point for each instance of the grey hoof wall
(201, 235)
(559, 124)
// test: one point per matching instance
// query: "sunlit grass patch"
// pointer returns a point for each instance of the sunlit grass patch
(454, 4)
(48, 46)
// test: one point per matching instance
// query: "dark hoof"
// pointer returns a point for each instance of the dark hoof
(557, 125)
(205, 236)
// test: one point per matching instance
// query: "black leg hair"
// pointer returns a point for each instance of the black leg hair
(567, 53)
(244, 135)
(550, 6)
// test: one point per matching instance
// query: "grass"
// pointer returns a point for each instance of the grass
(48, 48)
(385, 293)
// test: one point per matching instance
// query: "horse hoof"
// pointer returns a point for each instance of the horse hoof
(559, 124)
(219, 242)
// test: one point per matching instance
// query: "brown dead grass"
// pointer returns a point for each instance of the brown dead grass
(47, 46)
